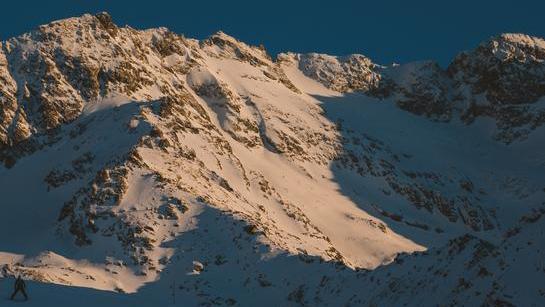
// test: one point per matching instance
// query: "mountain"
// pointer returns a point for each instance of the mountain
(178, 171)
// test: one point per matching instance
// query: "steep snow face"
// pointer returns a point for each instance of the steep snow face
(147, 163)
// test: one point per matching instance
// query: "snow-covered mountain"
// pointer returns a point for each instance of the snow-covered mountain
(178, 171)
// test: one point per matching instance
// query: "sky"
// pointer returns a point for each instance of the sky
(387, 31)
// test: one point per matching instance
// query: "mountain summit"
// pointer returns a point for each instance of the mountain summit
(151, 164)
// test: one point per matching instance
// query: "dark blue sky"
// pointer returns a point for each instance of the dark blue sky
(386, 31)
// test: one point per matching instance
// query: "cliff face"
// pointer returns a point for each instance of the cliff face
(128, 155)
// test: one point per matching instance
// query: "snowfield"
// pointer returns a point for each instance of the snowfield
(143, 168)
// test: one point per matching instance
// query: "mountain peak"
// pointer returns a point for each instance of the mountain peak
(354, 72)
(521, 38)
(222, 35)
(87, 19)
(507, 47)
(232, 47)
(508, 68)
(516, 46)
(104, 15)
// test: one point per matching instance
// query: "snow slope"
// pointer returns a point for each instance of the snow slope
(131, 158)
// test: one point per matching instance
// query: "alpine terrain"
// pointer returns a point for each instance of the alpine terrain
(144, 168)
